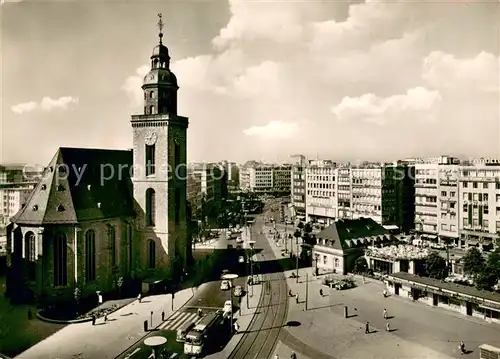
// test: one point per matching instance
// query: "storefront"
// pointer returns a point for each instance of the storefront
(459, 298)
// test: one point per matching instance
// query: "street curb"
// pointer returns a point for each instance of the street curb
(156, 327)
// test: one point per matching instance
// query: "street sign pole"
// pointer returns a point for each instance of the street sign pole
(307, 287)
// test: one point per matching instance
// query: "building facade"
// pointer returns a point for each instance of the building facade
(298, 188)
(321, 194)
(12, 199)
(479, 210)
(265, 178)
(98, 215)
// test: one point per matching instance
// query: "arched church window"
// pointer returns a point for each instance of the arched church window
(152, 94)
(29, 246)
(150, 207)
(90, 263)
(112, 244)
(151, 253)
(152, 110)
(60, 260)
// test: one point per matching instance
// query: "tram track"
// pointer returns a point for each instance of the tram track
(264, 330)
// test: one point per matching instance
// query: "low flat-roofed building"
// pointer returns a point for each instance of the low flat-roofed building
(463, 299)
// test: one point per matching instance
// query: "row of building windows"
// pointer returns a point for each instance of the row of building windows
(486, 185)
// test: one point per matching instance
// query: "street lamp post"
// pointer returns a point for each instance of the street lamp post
(251, 244)
(297, 260)
(230, 277)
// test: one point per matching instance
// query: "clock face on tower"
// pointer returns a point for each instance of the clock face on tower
(150, 138)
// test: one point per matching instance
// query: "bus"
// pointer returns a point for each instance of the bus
(202, 333)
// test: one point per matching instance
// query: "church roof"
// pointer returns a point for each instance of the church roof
(78, 185)
(351, 233)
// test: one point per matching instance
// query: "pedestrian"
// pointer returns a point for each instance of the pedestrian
(385, 293)
(276, 356)
(106, 317)
(385, 313)
(139, 297)
(200, 312)
(462, 347)
(367, 328)
(236, 327)
(293, 356)
(93, 319)
(99, 299)
(297, 298)
(321, 292)
(387, 327)
(290, 294)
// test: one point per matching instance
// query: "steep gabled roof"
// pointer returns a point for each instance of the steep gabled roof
(81, 185)
(350, 233)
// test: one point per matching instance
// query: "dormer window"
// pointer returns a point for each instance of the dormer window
(60, 208)
(35, 207)
(60, 188)
(43, 187)
(61, 169)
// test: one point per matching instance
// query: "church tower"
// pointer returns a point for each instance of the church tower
(159, 176)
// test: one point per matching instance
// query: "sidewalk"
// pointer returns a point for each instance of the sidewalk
(107, 339)
(246, 313)
(417, 330)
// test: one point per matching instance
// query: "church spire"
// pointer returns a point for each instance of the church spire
(160, 27)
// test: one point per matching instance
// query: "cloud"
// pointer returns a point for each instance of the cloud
(24, 107)
(398, 63)
(273, 130)
(132, 86)
(481, 72)
(415, 102)
(46, 104)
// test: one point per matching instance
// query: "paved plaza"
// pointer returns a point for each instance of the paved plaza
(418, 331)
(107, 340)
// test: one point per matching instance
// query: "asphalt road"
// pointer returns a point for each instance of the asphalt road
(261, 337)
(209, 298)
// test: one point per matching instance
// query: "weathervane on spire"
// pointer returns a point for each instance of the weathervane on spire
(160, 25)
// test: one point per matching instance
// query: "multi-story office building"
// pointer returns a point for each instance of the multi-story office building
(385, 194)
(12, 198)
(12, 174)
(298, 190)
(448, 203)
(428, 194)
(265, 178)
(479, 209)
(321, 196)
(344, 192)
(282, 178)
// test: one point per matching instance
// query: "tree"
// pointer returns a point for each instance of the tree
(360, 265)
(436, 266)
(485, 280)
(473, 262)
(493, 263)
(300, 225)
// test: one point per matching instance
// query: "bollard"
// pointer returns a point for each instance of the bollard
(145, 325)
(163, 316)
(345, 312)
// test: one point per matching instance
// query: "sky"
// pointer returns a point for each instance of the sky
(258, 79)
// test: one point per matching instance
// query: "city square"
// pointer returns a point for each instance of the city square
(243, 179)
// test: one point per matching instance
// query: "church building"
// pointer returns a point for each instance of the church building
(99, 217)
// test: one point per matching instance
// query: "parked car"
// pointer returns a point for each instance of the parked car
(225, 285)
(238, 291)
